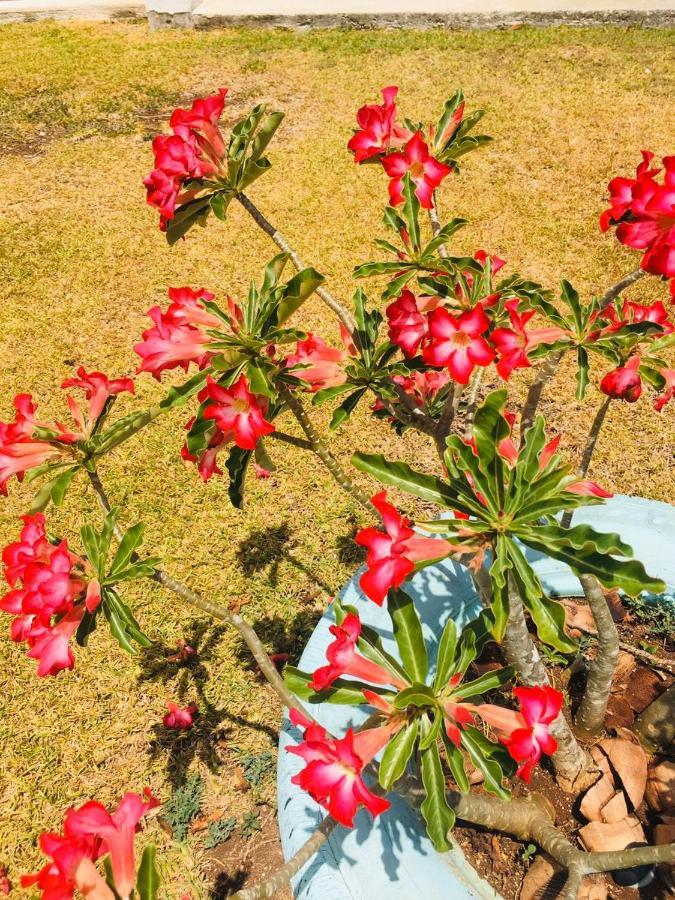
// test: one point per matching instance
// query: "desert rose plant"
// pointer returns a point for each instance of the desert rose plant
(428, 354)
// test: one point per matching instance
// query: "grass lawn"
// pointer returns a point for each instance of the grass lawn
(82, 260)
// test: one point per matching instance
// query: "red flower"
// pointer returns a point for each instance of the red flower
(425, 171)
(456, 714)
(378, 131)
(332, 775)
(344, 660)
(588, 489)
(72, 868)
(207, 460)
(644, 212)
(201, 123)
(624, 382)
(669, 392)
(648, 312)
(392, 553)
(19, 452)
(180, 718)
(98, 389)
(513, 343)
(525, 734)
(321, 365)
(407, 325)
(423, 386)
(458, 343)
(238, 414)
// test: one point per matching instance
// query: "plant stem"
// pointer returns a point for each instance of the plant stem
(550, 366)
(473, 402)
(587, 456)
(591, 714)
(248, 633)
(436, 225)
(318, 446)
(290, 439)
(570, 760)
(340, 311)
(447, 417)
(656, 725)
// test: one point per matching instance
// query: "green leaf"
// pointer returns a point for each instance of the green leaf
(400, 475)
(53, 490)
(86, 627)
(437, 814)
(89, 537)
(472, 741)
(396, 755)
(500, 594)
(444, 235)
(219, 203)
(415, 695)
(131, 541)
(408, 634)
(582, 372)
(265, 133)
(330, 393)
(237, 465)
(411, 209)
(490, 681)
(188, 215)
(178, 396)
(148, 881)
(296, 291)
(446, 654)
(260, 378)
(123, 626)
(431, 729)
(346, 408)
(456, 764)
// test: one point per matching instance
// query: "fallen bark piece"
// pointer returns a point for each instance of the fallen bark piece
(578, 616)
(629, 761)
(600, 836)
(660, 790)
(625, 665)
(543, 879)
(645, 688)
(596, 798)
(616, 809)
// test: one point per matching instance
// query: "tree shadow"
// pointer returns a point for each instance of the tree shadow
(227, 883)
(188, 676)
(280, 638)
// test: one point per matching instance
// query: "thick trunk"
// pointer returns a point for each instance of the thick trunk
(591, 714)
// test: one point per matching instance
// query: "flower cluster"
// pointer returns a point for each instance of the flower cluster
(89, 833)
(399, 150)
(643, 212)
(194, 150)
(48, 597)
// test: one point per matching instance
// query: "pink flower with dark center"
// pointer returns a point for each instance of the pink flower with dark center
(332, 774)
(669, 391)
(425, 171)
(378, 131)
(624, 382)
(180, 718)
(457, 342)
(344, 660)
(512, 344)
(238, 414)
(392, 553)
(525, 734)
(644, 212)
(98, 389)
(317, 364)
(170, 344)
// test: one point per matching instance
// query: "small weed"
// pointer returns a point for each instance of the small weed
(257, 767)
(659, 618)
(250, 823)
(529, 852)
(183, 806)
(219, 832)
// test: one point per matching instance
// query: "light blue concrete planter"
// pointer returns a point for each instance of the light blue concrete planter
(392, 858)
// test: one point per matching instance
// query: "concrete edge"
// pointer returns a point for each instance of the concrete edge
(426, 21)
(97, 13)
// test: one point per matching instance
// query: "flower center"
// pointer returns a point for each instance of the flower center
(416, 170)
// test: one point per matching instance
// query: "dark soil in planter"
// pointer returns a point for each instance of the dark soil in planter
(504, 862)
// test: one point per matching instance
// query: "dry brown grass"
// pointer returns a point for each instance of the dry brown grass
(82, 260)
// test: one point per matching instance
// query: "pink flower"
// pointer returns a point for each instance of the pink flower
(332, 774)
(458, 343)
(98, 389)
(321, 365)
(201, 123)
(669, 392)
(19, 452)
(72, 868)
(344, 660)
(407, 325)
(588, 489)
(378, 131)
(648, 312)
(423, 386)
(392, 553)
(512, 344)
(525, 734)
(624, 382)
(425, 171)
(173, 340)
(238, 414)
(116, 832)
(644, 212)
(457, 714)
(180, 718)
(207, 460)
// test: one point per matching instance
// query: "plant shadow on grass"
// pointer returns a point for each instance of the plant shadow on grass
(187, 679)
(227, 883)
